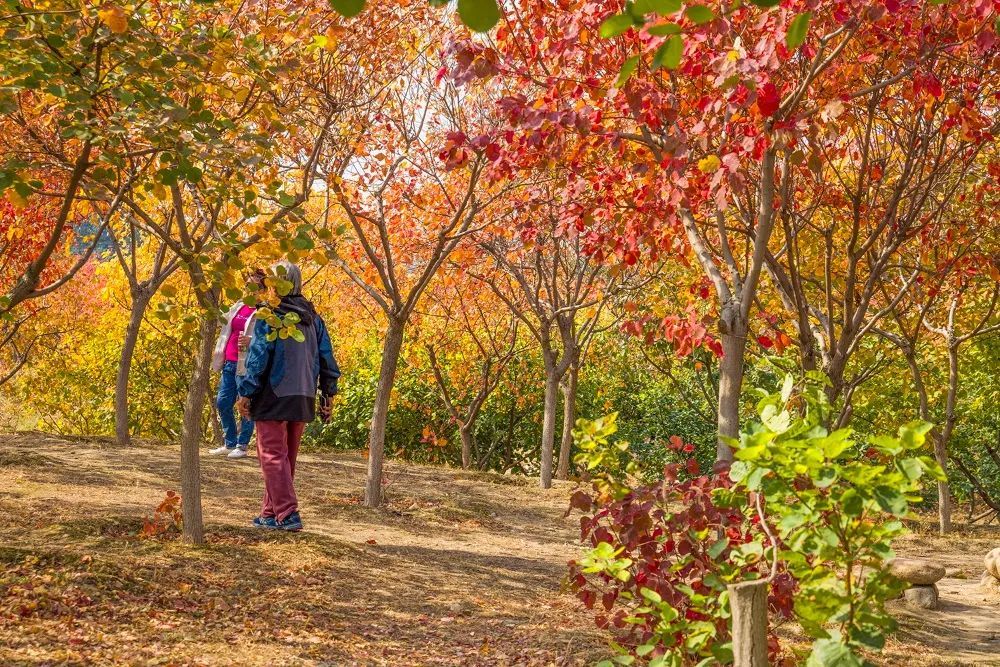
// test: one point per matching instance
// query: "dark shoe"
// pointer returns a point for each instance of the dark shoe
(291, 523)
(266, 522)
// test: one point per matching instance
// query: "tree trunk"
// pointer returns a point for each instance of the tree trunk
(569, 421)
(468, 444)
(380, 414)
(140, 301)
(941, 442)
(748, 604)
(940, 449)
(191, 432)
(549, 425)
(730, 384)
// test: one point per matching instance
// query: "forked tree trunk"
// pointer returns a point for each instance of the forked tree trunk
(569, 420)
(191, 432)
(380, 414)
(730, 383)
(549, 425)
(748, 604)
(140, 301)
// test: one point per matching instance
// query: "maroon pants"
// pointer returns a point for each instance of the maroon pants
(277, 449)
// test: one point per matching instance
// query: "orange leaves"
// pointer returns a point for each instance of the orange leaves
(166, 517)
(967, 29)
(114, 17)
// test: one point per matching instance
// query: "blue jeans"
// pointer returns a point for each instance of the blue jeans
(226, 402)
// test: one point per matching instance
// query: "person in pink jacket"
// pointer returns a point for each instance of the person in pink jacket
(229, 359)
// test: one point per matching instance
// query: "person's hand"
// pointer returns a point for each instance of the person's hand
(243, 405)
(244, 342)
(325, 408)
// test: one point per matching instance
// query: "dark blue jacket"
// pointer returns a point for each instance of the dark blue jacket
(282, 375)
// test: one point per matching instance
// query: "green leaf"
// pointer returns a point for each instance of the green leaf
(628, 69)
(717, 548)
(832, 653)
(664, 7)
(890, 500)
(661, 7)
(699, 14)
(797, 30)
(348, 8)
(852, 503)
(754, 478)
(912, 469)
(669, 54)
(479, 15)
(664, 29)
(615, 25)
(739, 470)
(651, 595)
(786, 387)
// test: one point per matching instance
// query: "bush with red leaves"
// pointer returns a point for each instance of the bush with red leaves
(663, 553)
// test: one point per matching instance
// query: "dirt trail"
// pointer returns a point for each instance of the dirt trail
(965, 629)
(459, 569)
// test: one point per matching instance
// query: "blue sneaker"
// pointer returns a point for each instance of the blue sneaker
(265, 522)
(291, 523)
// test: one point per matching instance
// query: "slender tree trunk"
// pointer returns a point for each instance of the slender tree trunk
(191, 432)
(140, 301)
(380, 414)
(730, 384)
(941, 442)
(467, 433)
(569, 420)
(549, 424)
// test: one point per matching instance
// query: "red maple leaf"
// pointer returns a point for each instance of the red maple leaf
(768, 99)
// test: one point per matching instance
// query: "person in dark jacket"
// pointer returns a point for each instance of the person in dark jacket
(278, 392)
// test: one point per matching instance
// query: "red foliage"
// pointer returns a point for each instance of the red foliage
(656, 525)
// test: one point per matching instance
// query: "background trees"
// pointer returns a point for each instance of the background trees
(599, 207)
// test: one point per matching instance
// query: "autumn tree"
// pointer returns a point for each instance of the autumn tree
(869, 188)
(147, 263)
(712, 109)
(558, 283)
(413, 189)
(469, 349)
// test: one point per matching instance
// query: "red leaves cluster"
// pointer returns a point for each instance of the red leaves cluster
(685, 333)
(166, 517)
(655, 525)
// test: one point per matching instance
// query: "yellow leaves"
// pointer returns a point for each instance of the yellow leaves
(16, 199)
(733, 56)
(114, 17)
(329, 40)
(160, 192)
(219, 66)
(709, 164)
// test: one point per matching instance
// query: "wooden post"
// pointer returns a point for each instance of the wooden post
(748, 603)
